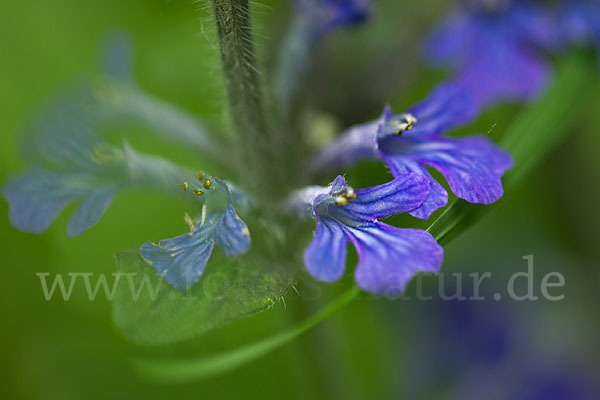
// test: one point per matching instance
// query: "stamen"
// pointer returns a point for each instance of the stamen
(184, 186)
(349, 193)
(198, 192)
(200, 176)
(341, 201)
(207, 184)
(406, 123)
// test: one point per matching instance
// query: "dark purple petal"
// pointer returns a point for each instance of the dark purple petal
(450, 105)
(325, 257)
(438, 197)
(390, 257)
(405, 193)
(472, 166)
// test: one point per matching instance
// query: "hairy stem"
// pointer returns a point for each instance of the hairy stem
(261, 148)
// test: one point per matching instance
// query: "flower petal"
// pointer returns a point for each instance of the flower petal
(390, 257)
(437, 198)
(357, 143)
(535, 24)
(406, 192)
(37, 197)
(450, 105)
(325, 257)
(472, 166)
(182, 259)
(93, 206)
(232, 233)
(447, 43)
(505, 71)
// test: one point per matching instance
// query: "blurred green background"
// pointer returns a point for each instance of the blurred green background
(70, 350)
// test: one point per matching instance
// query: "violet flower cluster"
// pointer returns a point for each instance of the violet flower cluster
(495, 49)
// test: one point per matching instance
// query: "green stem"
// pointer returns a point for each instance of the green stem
(261, 148)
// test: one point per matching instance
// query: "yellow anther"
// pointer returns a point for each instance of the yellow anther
(198, 192)
(184, 186)
(351, 196)
(200, 175)
(207, 184)
(409, 127)
(341, 201)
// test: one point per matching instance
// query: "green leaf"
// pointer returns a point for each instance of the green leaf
(148, 311)
(183, 371)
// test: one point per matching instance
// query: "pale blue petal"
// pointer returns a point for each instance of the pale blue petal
(90, 210)
(181, 260)
(37, 197)
(232, 233)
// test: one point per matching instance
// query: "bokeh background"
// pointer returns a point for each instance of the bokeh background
(373, 348)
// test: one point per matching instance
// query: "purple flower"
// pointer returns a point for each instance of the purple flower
(388, 256)
(411, 142)
(493, 48)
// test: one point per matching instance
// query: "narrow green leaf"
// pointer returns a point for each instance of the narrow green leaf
(537, 130)
(147, 310)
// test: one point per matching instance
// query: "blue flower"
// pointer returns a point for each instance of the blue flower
(71, 163)
(84, 167)
(493, 47)
(389, 256)
(325, 16)
(411, 142)
(182, 260)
